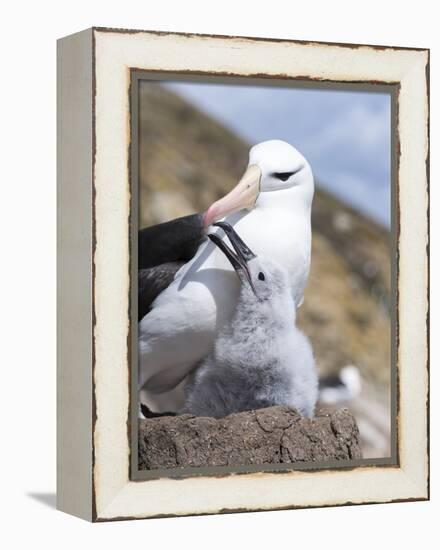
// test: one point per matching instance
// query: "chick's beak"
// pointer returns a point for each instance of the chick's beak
(240, 247)
(243, 196)
(239, 257)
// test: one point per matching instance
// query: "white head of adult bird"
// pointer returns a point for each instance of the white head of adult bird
(270, 207)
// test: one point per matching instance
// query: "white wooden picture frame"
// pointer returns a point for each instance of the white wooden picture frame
(95, 214)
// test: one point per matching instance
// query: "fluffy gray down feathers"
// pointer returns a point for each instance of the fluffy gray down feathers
(259, 359)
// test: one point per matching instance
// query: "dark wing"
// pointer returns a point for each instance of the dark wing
(150, 414)
(173, 241)
(152, 281)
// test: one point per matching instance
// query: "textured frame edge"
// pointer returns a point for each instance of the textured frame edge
(74, 274)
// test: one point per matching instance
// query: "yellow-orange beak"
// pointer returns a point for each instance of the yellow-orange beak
(243, 196)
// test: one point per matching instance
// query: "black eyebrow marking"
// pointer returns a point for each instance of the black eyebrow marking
(283, 176)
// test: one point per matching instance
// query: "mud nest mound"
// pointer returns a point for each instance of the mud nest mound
(276, 435)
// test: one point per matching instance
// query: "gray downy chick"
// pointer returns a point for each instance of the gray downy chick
(261, 358)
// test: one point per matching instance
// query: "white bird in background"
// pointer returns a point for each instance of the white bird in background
(271, 208)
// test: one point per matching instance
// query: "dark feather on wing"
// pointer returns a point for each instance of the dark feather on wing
(176, 240)
(152, 281)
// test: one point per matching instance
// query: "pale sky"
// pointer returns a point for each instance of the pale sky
(345, 135)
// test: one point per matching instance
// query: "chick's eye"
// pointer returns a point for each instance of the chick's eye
(261, 276)
(283, 176)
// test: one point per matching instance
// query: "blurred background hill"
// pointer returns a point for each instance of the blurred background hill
(187, 160)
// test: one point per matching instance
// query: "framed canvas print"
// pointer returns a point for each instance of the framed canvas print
(242, 274)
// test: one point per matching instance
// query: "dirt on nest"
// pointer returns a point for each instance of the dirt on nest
(275, 435)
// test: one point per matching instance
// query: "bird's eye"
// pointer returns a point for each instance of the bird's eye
(283, 176)
(261, 276)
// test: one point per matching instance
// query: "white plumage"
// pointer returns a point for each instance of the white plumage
(180, 329)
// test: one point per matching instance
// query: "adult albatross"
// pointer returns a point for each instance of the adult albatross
(271, 208)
